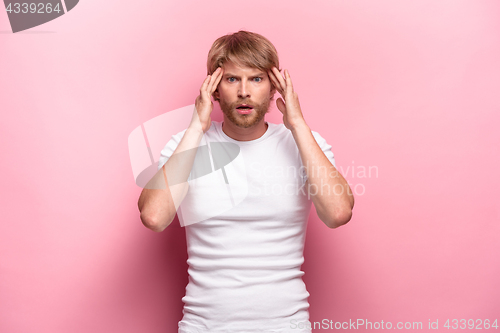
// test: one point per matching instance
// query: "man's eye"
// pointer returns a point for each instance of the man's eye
(230, 79)
(258, 78)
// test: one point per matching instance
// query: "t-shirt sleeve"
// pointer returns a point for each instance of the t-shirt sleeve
(327, 149)
(170, 147)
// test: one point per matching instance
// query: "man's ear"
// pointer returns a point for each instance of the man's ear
(216, 94)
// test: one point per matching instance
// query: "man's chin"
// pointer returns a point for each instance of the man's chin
(244, 124)
(241, 120)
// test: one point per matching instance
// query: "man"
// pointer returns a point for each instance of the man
(244, 263)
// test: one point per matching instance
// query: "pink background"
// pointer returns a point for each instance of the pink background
(409, 88)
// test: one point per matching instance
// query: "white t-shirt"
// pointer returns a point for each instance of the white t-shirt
(244, 260)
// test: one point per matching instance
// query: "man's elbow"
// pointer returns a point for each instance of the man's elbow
(152, 223)
(339, 219)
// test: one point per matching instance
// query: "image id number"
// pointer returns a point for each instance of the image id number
(40, 8)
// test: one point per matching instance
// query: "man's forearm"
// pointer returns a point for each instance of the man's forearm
(163, 194)
(329, 191)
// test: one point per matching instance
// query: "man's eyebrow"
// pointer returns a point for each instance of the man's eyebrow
(233, 75)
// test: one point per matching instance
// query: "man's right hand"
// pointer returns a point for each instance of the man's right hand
(201, 119)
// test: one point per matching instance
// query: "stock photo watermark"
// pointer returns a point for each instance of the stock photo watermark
(296, 179)
(365, 324)
(25, 15)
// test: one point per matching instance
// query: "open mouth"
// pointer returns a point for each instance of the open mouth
(244, 108)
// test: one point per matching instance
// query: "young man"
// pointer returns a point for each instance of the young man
(244, 260)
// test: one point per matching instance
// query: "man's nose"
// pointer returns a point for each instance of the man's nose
(243, 89)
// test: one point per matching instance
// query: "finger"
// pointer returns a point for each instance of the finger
(273, 79)
(212, 79)
(275, 82)
(216, 81)
(204, 85)
(281, 105)
(288, 80)
(280, 79)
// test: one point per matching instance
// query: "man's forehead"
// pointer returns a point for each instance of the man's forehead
(231, 68)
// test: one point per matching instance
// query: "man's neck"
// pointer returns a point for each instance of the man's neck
(244, 134)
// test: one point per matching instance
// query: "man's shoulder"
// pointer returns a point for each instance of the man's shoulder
(278, 129)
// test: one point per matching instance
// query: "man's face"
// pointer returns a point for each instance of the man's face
(248, 86)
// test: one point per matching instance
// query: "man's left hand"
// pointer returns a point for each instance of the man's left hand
(290, 108)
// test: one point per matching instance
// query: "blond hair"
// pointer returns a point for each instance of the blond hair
(244, 49)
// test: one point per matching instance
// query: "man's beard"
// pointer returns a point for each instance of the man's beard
(245, 120)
